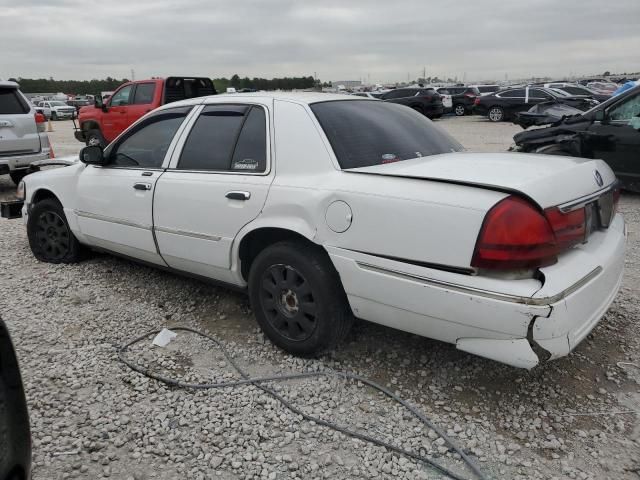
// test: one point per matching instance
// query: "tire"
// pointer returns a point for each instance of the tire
(50, 237)
(284, 277)
(18, 175)
(54, 116)
(94, 137)
(459, 110)
(418, 109)
(496, 114)
(554, 150)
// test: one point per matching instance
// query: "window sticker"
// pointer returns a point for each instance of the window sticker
(246, 164)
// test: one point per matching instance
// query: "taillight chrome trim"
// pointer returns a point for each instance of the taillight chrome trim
(583, 201)
(532, 301)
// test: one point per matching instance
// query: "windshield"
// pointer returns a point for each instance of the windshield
(562, 93)
(365, 133)
(58, 104)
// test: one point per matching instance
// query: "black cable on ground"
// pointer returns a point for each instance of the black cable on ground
(257, 382)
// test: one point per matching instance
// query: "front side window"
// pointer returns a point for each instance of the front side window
(146, 145)
(366, 133)
(121, 97)
(535, 93)
(227, 138)
(144, 93)
(627, 111)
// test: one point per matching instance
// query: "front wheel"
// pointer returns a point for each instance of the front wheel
(95, 138)
(54, 116)
(496, 114)
(297, 298)
(50, 237)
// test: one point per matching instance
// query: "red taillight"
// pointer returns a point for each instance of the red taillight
(616, 199)
(476, 101)
(569, 228)
(40, 118)
(515, 235)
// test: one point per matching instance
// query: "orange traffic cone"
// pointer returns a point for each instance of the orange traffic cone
(49, 126)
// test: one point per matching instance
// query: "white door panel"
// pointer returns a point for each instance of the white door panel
(195, 222)
(113, 214)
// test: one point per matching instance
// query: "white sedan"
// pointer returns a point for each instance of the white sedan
(329, 207)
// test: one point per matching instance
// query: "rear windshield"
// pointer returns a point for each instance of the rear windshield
(365, 133)
(488, 89)
(11, 103)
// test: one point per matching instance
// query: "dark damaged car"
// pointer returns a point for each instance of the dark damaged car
(507, 104)
(610, 131)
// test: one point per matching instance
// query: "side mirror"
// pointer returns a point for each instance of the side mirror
(92, 155)
(98, 103)
(600, 116)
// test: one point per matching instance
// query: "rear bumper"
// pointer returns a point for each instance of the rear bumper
(510, 321)
(433, 110)
(20, 162)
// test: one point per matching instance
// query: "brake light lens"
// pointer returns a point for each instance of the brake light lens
(569, 228)
(40, 118)
(476, 101)
(515, 235)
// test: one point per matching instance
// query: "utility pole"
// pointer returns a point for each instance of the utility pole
(133, 74)
(424, 73)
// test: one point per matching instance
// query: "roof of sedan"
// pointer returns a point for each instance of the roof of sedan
(298, 97)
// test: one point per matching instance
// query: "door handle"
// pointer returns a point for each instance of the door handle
(122, 112)
(237, 195)
(142, 186)
(147, 174)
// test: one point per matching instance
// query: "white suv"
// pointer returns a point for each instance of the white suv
(22, 137)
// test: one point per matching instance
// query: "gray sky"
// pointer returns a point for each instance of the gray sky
(340, 40)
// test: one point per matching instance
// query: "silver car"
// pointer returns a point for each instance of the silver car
(22, 136)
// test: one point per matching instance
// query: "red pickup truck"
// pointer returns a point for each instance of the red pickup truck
(104, 121)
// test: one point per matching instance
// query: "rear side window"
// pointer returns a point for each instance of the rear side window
(513, 94)
(11, 103)
(226, 138)
(144, 93)
(365, 133)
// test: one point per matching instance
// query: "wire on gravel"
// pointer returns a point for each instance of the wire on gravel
(258, 383)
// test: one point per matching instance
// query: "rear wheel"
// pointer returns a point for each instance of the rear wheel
(50, 237)
(459, 110)
(94, 138)
(54, 116)
(297, 298)
(18, 175)
(418, 109)
(496, 114)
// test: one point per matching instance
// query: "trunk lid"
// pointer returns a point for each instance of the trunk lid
(548, 180)
(18, 130)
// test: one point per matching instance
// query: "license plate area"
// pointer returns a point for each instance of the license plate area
(599, 213)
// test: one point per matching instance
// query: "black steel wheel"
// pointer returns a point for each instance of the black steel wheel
(288, 302)
(50, 237)
(297, 298)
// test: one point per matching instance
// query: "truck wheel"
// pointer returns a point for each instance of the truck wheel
(54, 116)
(50, 237)
(95, 138)
(18, 175)
(459, 110)
(298, 299)
(496, 114)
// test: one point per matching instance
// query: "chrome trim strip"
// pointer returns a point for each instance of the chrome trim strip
(186, 233)
(542, 301)
(581, 202)
(104, 218)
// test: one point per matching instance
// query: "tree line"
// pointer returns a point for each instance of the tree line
(83, 87)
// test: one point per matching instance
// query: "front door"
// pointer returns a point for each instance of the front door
(618, 139)
(115, 120)
(217, 183)
(115, 201)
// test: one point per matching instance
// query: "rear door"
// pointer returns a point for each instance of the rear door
(18, 130)
(217, 182)
(146, 97)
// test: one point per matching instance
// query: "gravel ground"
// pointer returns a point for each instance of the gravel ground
(92, 417)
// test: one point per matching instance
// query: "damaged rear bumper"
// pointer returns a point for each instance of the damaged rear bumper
(518, 322)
